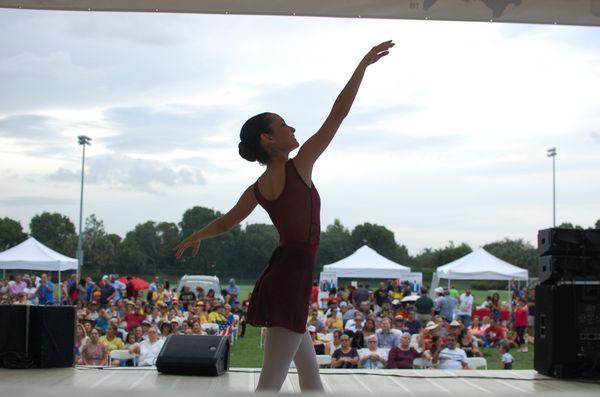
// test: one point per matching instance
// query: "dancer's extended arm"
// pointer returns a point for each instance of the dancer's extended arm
(221, 225)
(316, 144)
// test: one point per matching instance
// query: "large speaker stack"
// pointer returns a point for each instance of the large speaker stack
(567, 304)
(37, 336)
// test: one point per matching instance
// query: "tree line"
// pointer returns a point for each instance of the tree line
(241, 253)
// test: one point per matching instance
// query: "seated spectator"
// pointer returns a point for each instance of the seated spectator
(335, 343)
(81, 339)
(386, 338)
(450, 356)
(103, 320)
(477, 328)
(92, 311)
(469, 344)
(94, 352)
(506, 358)
(333, 320)
(402, 356)
(369, 328)
(133, 318)
(346, 356)
(358, 340)
(200, 292)
(111, 340)
(511, 338)
(355, 324)
(494, 334)
(314, 319)
(165, 329)
(320, 346)
(399, 327)
(372, 357)
(454, 328)
(130, 340)
(148, 349)
(216, 316)
(412, 325)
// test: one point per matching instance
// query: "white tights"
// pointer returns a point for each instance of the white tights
(281, 346)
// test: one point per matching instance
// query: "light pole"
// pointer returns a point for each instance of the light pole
(83, 140)
(552, 153)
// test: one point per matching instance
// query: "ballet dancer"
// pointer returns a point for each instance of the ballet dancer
(281, 295)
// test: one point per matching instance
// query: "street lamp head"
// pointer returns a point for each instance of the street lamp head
(84, 140)
(551, 152)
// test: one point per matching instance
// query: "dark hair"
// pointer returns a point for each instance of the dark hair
(249, 146)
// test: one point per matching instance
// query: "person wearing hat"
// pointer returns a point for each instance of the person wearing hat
(233, 291)
(425, 308)
(454, 328)
(216, 316)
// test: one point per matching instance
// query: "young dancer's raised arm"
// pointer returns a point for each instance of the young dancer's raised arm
(316, 144)
(221, 225)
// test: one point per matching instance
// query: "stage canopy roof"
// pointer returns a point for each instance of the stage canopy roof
(366, 263)
(33, 255)
(481, 265)
(564, 12)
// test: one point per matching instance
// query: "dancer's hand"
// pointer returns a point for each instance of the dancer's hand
(192, 242)
(377, 52)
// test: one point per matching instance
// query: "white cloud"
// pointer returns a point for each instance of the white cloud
(123, 172)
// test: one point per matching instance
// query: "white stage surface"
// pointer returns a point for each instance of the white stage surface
(88, 382)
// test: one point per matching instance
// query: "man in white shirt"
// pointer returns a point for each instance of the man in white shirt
(450, 357)
(355, 324)
(373, 357)
(465, 306)
(148, 349)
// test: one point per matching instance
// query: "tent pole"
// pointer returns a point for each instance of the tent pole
(59, 289)
(448, 284)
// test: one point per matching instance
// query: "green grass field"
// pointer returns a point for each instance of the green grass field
(246, 351)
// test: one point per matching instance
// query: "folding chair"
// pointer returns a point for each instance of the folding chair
(421, 363)
(477, 362)
(121, 355)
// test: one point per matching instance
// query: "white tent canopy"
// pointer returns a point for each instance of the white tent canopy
(366, 263)
(33, 255)
(567, 12)
(481, 265)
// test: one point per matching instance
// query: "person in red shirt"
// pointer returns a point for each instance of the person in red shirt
(133, 318)
(314, 293)
(521, 322)
(402, 356)
(494, 334)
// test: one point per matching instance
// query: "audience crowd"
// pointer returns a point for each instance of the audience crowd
(113, 315)
(356, 326)
(363, 328)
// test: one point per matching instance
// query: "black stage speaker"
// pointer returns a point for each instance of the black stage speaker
(13, 333)
(567, 329)
(556, 241)
(554, 268)
(37, 336)
(52, 335)
(205, 355)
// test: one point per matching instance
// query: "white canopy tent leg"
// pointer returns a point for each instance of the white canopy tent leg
(59, 289)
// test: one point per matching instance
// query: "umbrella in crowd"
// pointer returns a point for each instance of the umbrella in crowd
(138, 283)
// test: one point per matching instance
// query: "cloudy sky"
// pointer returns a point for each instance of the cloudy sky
(446, 140)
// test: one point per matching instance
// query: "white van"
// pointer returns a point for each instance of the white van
(207, 283)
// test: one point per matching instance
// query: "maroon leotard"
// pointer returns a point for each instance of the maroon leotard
(282, 292)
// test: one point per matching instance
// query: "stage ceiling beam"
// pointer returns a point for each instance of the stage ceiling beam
(562, 12)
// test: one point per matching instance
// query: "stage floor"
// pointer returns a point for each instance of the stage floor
(147, 381)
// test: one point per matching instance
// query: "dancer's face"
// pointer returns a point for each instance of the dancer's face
(281, 140)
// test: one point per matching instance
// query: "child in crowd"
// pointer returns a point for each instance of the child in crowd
(507, 358)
